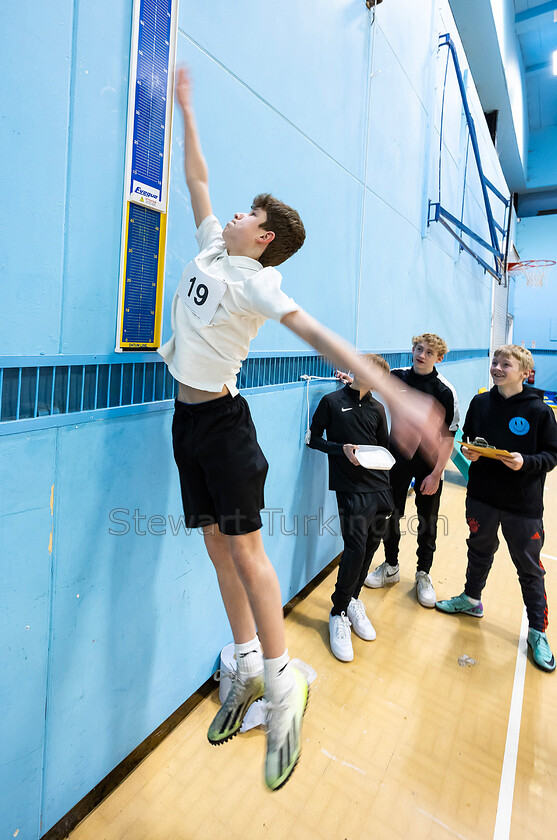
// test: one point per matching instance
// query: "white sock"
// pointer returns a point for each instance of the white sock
(249, 657)
(278, 677)
(473, 601)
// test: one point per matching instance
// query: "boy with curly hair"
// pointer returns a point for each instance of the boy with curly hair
(428, 350)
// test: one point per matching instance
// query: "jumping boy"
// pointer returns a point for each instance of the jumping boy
(508, 491)
(224, 297)
(363, 496)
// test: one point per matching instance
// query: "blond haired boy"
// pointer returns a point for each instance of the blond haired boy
(428, 350)
(508, 491)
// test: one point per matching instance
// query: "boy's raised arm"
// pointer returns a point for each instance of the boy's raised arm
(197, 173)
(416, 419)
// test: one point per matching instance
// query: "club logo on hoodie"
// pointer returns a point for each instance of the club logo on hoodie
(519, 426)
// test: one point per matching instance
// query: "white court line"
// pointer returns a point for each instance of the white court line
(506, 789)
(442, 824)
(344, 763)
(548, 556)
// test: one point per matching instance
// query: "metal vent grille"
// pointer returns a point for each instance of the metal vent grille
(65, 385)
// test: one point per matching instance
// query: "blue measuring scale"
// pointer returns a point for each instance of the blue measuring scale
(150, 108)
(142, 275)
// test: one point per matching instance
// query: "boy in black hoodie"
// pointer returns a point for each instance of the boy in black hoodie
(508, 491)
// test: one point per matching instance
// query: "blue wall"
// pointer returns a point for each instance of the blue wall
(535, 309)
(99, 628)
(542, 160)
(504, 16)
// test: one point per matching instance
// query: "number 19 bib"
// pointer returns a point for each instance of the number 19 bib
(200, 292)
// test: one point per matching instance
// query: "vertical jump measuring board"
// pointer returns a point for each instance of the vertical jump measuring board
(153, 47)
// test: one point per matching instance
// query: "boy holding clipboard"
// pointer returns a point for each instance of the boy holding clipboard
(506, 488)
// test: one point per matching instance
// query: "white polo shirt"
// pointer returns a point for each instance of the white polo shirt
(219, 306)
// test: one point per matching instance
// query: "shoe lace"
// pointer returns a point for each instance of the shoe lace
(358, 610)
(542, 646)
(342, 627)
(275, 721)
(237, 685)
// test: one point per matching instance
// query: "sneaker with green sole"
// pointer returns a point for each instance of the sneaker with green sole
(541, 652)
(460, 604)
(244, 690)
(284, 732)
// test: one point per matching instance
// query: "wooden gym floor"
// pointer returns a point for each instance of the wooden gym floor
(400, 743)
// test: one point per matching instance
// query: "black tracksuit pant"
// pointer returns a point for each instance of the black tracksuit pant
(427, 507)
(524, 537)
(363, 520)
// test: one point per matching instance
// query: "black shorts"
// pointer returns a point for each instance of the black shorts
(221, 465)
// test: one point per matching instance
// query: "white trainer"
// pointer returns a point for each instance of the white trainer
(363, 627)
(284, 732)
(424, 590)
(340, 637)
(383, 575)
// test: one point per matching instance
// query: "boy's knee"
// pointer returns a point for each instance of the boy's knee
(248, 567)
(243, 547)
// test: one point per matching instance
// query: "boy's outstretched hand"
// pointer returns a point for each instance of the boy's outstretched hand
(183, 88)
(416, 418)
(197, 174)
(416, 422)
(406, 428)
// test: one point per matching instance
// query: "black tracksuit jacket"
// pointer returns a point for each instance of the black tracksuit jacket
(347, 419)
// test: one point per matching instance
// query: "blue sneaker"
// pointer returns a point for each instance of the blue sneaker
(460, 604)
(541, 652)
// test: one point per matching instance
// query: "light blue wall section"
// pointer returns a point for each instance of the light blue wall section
(307, 63)
(35, 114)
(247, 163)
(467, 378)
(546, 370)
(128, 609)
(535, 309)
(411, 87)
(96, 148)
(27, 470)
(515, 77)
(101, 631)
(542, 159)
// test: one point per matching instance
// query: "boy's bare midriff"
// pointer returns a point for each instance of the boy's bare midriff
(186, 394)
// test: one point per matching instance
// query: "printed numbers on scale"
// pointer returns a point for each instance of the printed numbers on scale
(200, 293)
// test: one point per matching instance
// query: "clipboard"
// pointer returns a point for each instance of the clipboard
(486, 451)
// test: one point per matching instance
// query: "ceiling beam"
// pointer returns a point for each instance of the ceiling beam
(539, 68)
(536, 11)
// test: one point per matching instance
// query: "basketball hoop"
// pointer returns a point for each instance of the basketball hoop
(532, 270)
